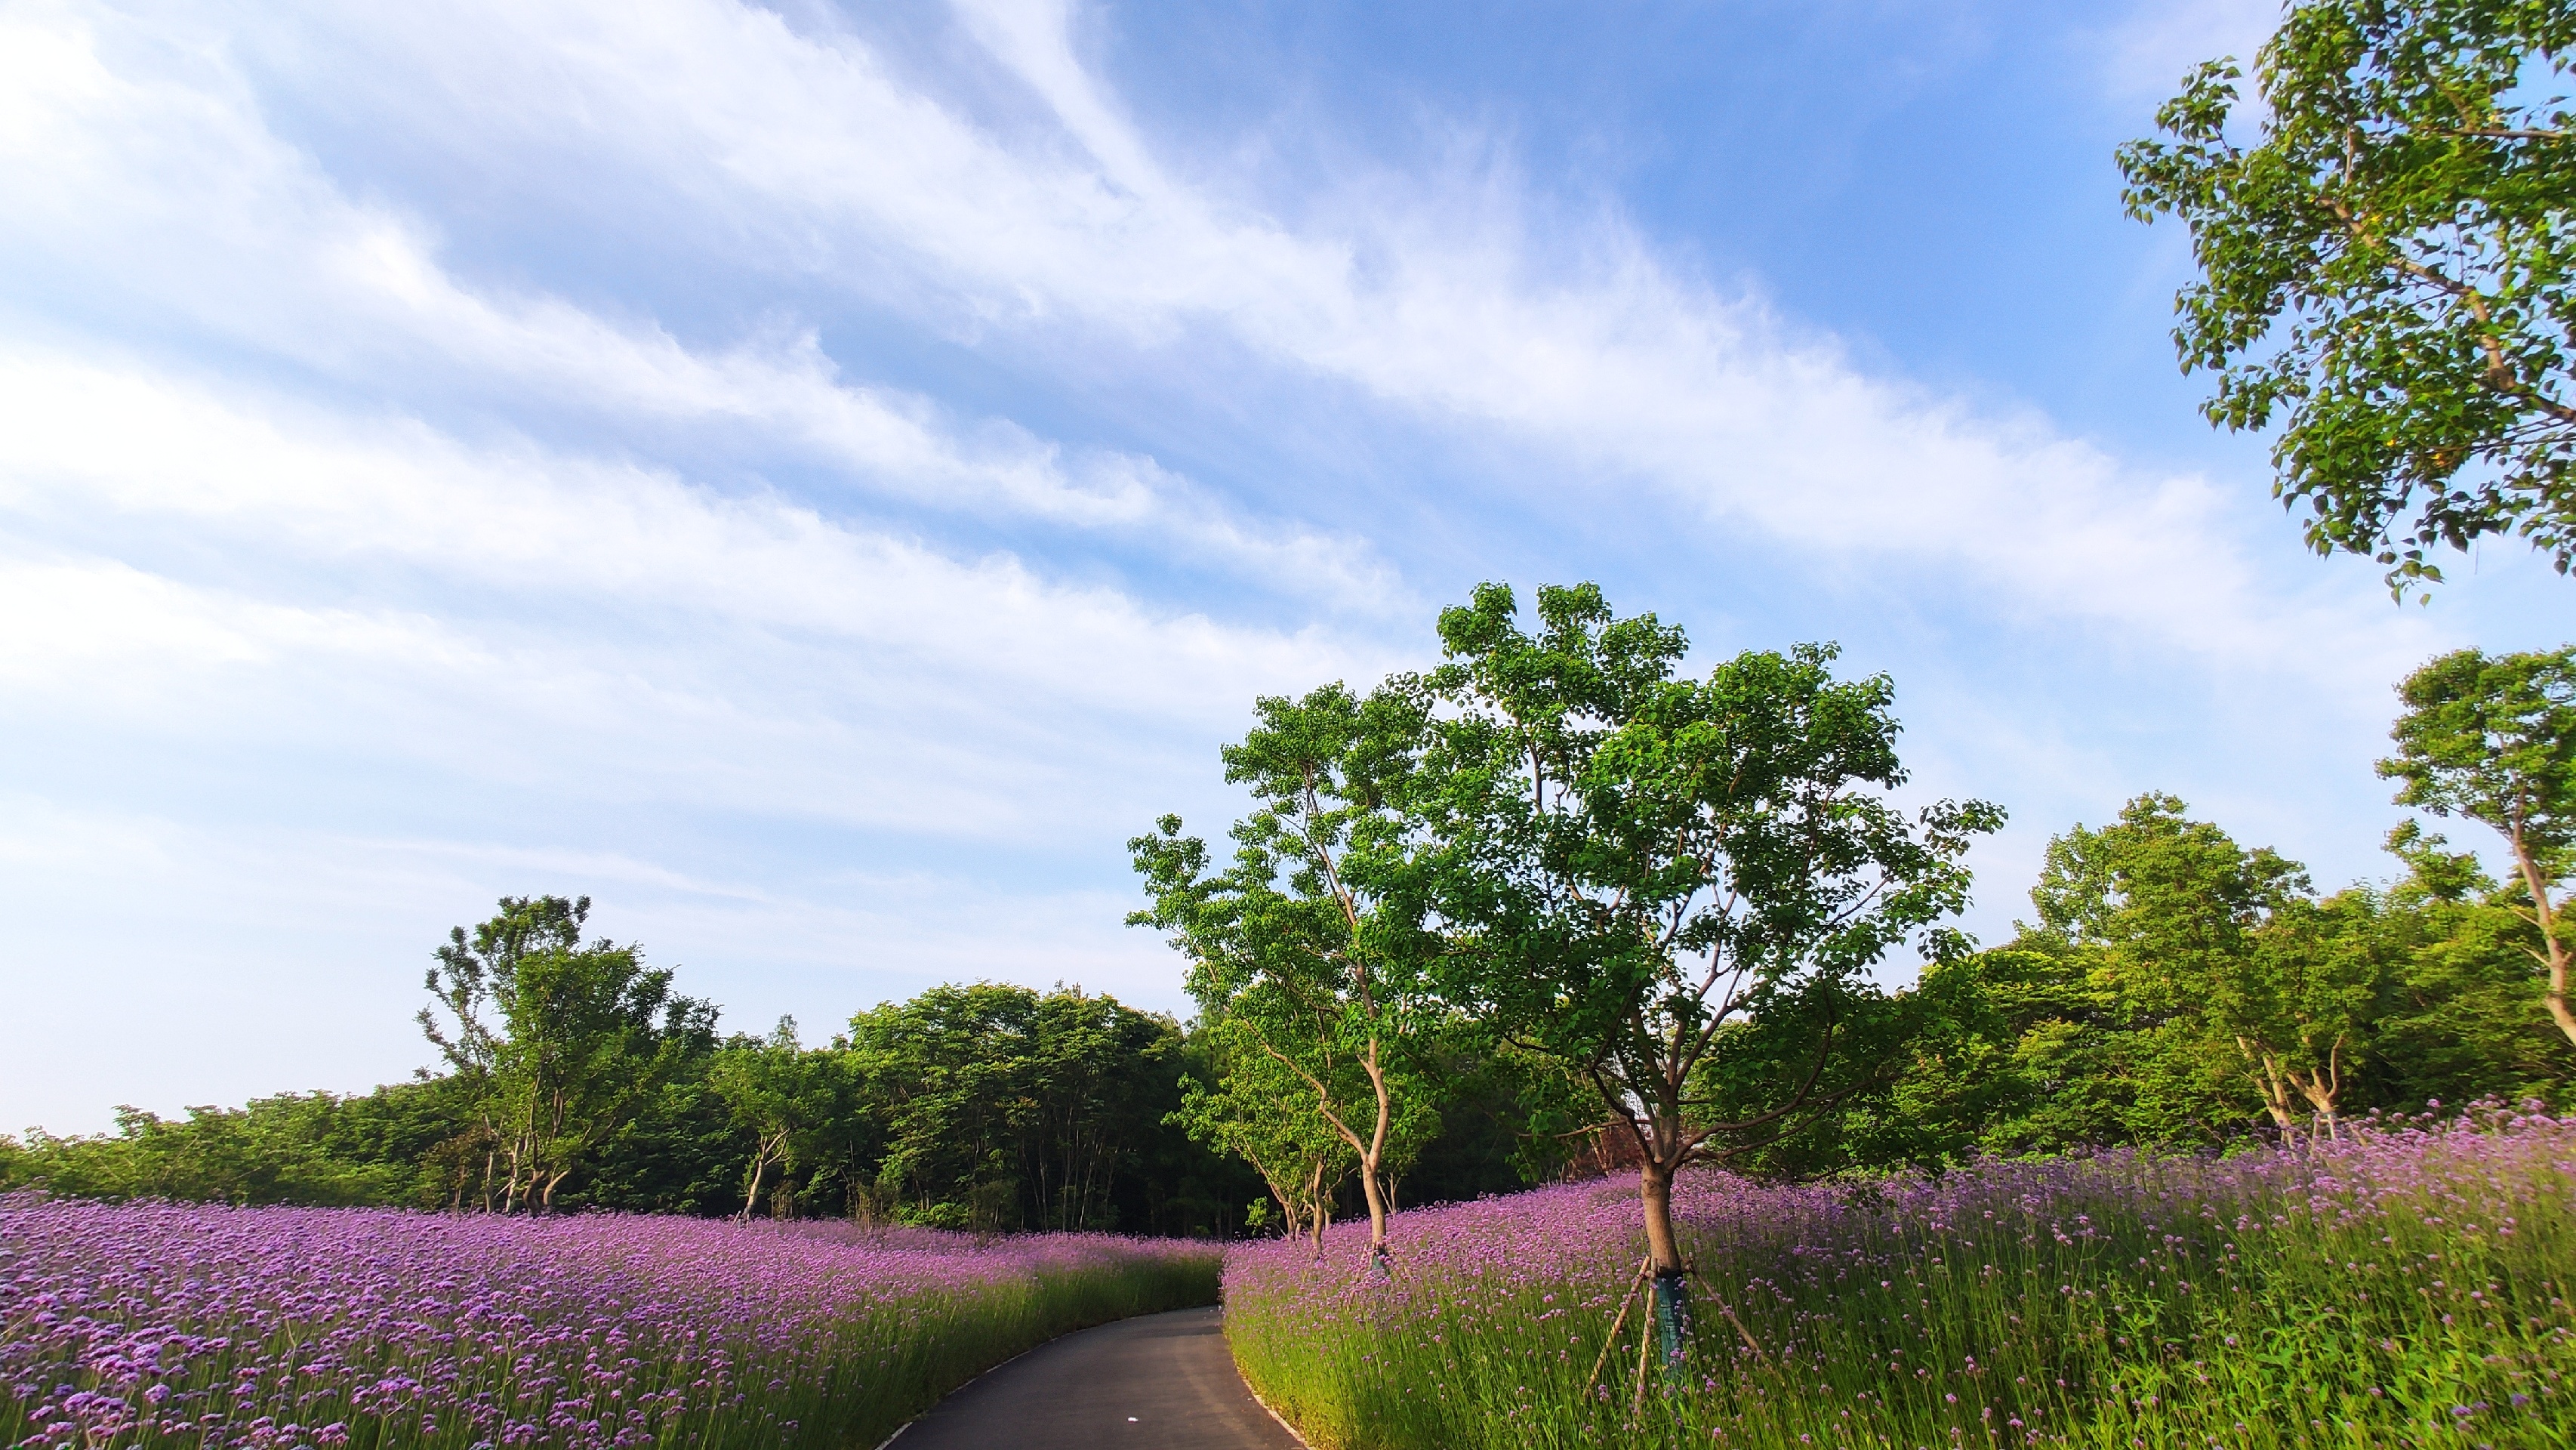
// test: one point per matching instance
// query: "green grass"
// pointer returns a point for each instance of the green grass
(2406, 1289)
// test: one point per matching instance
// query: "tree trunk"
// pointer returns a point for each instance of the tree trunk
(1373, 1190)
(1318, 1212)
(1655, 1193)
(1671, 1301)
(1372, 1182)
(2555, 951)
(759, 1167)
(2272, 1084)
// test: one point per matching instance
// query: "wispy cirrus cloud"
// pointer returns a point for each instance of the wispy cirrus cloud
(469, 561)
(1595, 355)
(829, 486)
(166, 191)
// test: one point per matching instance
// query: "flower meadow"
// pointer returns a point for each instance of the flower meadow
(2407, 1287)
(204, 1327)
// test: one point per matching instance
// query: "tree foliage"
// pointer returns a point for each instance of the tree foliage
(310, 1148)
(2494, 739)
(2121, 1017)
(788, 1099)
(2385, 269)
(1643, 872)
(2199, 931)
(1260, 1108)
(559, 1041)
(1296, 943)
(1005, 1108)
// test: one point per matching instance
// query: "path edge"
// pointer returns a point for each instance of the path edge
(1266, 1407)
(1293, 1432)
(1068, 1334)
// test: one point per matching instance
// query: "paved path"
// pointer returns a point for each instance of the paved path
(1161, 1382)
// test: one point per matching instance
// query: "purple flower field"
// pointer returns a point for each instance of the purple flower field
(2408, 1287)
(196, 1326)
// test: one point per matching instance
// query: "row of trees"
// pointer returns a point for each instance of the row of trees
(1548, 908)
(2180, 991)
(1660, 902)
(576, 1077)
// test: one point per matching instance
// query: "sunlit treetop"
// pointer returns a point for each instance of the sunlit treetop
(2385, 269)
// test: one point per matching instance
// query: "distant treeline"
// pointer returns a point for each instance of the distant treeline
(2177, 991)
(577, 1079)
(2181, 991)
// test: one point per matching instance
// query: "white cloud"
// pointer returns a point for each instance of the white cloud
(165, 184)
(1612, 371)
(608, 601)
(2145, 54)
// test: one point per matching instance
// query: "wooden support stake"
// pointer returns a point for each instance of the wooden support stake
(1624, 1302)
(1646, 1330)
(1729, 1311)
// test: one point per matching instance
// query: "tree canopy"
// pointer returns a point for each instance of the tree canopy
(2493, 738)
(559, 1041)
(2384, 268)
(1298, 944)
(1644, 871)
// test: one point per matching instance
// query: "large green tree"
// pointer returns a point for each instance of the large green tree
(558, 1041)
(999, 1107)
(2385, 268)
(788, 1098)
(2220, 946)
(2493, 738)
(1642, 870)
(1295, 941)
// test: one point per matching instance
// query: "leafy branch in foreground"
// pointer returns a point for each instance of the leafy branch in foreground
(2386, 270)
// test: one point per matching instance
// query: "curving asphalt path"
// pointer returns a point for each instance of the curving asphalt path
(1160, 1382)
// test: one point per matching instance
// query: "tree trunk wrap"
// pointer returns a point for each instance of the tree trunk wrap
(1673, 1323)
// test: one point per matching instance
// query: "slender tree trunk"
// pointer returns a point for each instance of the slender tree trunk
(2554, 951)
(1319, 1213)
(1372, 1181)
(524, 1165)
(1670, 1307)
(511, 1195)
(1371, 1150)
(759, 1168)
(2273, 1085)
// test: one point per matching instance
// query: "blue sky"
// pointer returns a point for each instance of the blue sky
(817, 480)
